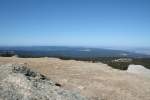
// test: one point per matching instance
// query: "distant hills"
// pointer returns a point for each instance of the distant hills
(62, 51)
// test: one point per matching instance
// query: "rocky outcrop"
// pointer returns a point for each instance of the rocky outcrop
(139, 70)
(17, 82)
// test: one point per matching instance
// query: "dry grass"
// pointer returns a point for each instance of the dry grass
(94, 80)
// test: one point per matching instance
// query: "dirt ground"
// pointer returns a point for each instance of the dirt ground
(96, 81)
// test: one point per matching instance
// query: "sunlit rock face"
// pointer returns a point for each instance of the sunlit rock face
(139, 69)
(17, 82)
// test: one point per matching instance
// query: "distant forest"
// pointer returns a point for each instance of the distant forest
(117, 65)
(107, 60)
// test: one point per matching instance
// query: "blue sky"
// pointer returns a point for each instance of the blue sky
(122, 23)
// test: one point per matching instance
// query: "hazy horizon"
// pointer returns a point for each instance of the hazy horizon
(126, 48)
(89, 23)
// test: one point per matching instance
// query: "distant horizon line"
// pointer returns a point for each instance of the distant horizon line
(108, 47)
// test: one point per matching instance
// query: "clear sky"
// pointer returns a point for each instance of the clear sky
(75, 22)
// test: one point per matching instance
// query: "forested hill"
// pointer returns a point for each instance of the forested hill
(60, 51)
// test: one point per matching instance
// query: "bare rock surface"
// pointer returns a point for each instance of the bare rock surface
(95, 81)
(139, 70)
(17, 82)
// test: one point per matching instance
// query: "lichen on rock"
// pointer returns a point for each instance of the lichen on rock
(17, 82)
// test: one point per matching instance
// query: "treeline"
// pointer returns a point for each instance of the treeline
(7, 53)
(110, 61)
(107, 60)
